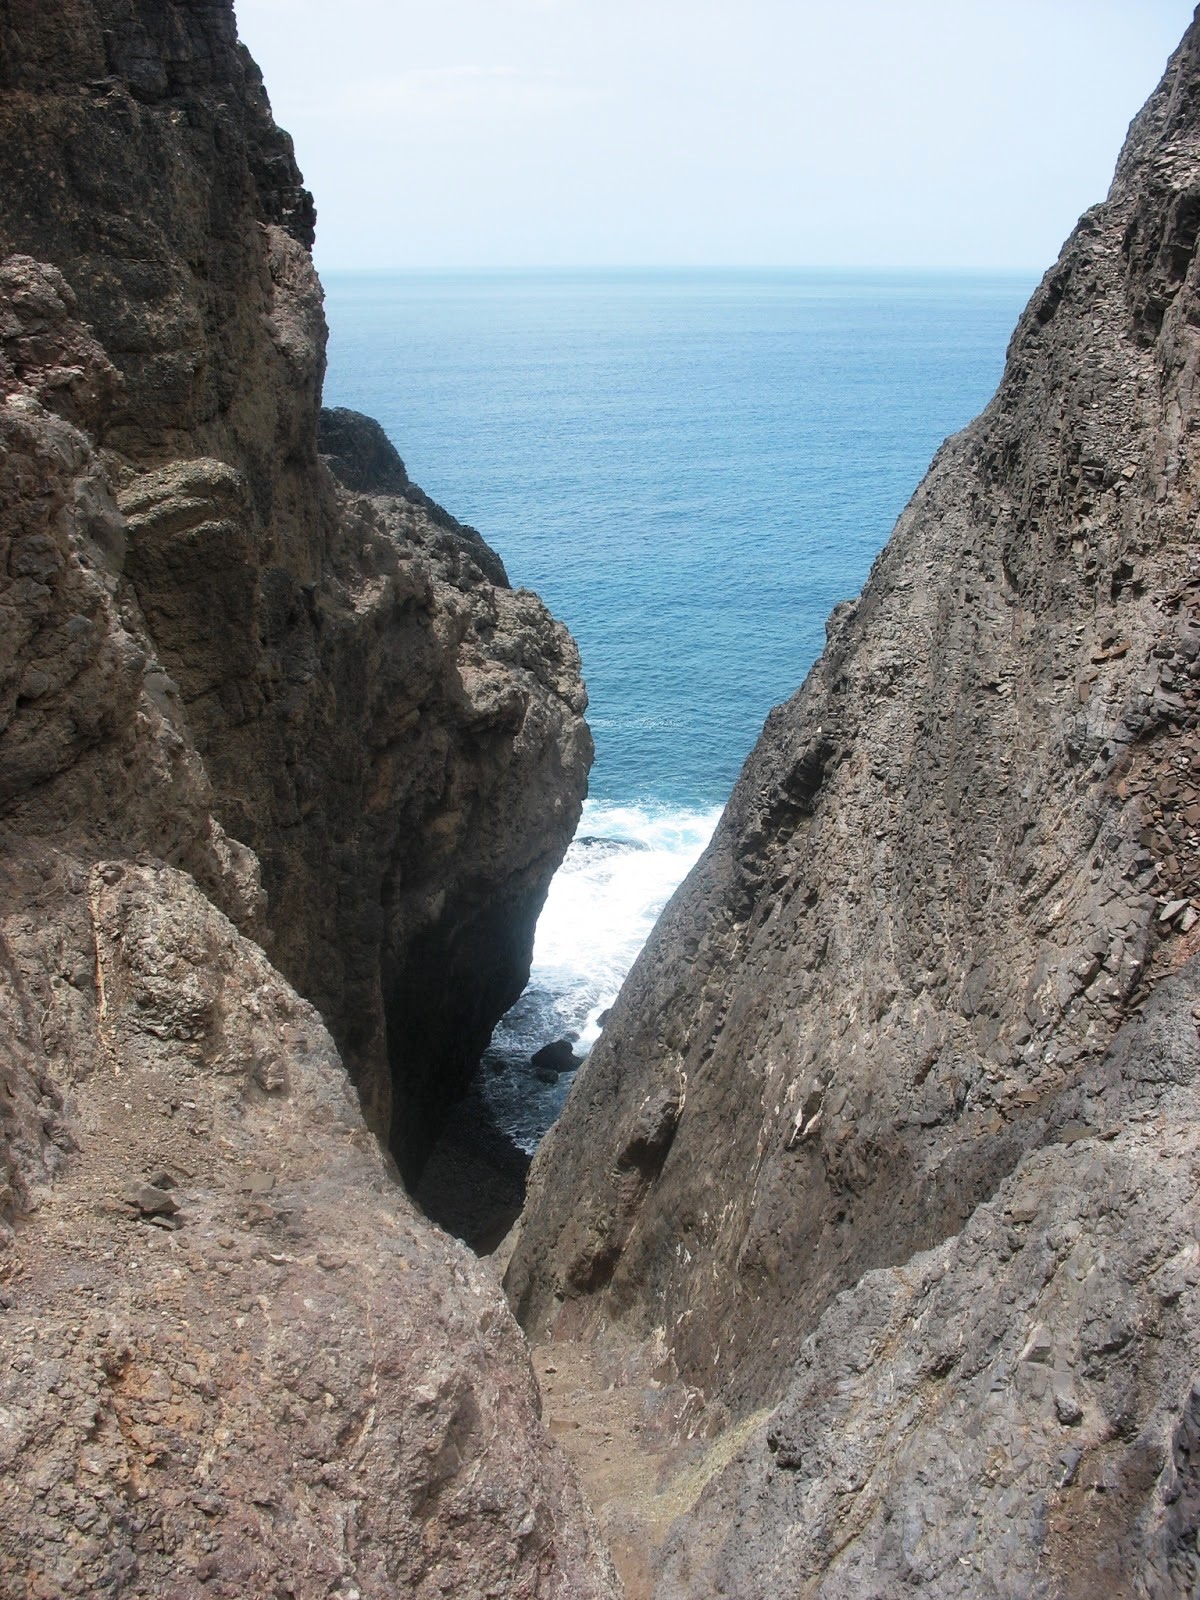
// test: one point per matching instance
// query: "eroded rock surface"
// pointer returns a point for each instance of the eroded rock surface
(881, 1012)
(236, 1360)
(240, 702)
(394, 732)
(1014, 1412)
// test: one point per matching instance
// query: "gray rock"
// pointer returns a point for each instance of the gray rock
(1067, 1407)
(555, 1058)
(932, 903)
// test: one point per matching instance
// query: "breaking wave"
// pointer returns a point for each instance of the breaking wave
(622, 867)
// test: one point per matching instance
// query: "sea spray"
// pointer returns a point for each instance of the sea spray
(621, 869)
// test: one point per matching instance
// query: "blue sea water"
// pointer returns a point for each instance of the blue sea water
(691, 468)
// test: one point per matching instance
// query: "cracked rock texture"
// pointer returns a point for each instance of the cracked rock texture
(266, 726)
(893, 1122)
(237, 1362)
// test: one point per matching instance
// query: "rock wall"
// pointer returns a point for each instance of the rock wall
(394, 732)
(241, 701)
(235, 1359)
(885, 1119)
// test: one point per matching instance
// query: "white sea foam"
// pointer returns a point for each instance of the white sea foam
(621, 869)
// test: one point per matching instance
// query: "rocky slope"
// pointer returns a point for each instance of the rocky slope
(893, 1122)
(235, 1359)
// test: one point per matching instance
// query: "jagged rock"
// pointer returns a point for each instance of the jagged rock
(395, 734)
(359, 453)
(362, 458)
(914, 952)
(212, 655)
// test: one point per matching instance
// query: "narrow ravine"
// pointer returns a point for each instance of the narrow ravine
(644, 1451)
(622, 867)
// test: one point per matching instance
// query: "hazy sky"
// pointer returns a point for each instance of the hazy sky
(956, 133)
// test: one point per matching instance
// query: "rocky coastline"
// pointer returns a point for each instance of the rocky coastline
(864, 1257)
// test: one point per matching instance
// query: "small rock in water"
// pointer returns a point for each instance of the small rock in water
(604, 1016)
(554, 1058)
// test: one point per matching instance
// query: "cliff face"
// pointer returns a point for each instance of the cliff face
(895, 1116)
(395, 733)
(236, 1361)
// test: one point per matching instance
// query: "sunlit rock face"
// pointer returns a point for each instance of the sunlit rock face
(285, 767)
(894, 1118)
(395, 733)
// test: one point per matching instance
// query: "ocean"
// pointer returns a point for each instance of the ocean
(691, 468)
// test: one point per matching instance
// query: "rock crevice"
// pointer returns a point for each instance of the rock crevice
(904, 985)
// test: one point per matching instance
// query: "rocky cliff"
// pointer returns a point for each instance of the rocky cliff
(245, 695)
(394, 732)
(893, 1126)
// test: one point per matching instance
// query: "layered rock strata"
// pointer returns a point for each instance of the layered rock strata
(893, 1120)
(242, 702)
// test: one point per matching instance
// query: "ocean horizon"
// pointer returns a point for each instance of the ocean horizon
(691, 466)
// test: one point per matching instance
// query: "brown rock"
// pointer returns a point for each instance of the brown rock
(394, 733)
(209, 649)
(113, 1365)
(152, 1201)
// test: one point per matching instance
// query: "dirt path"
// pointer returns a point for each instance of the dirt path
(636, 1477)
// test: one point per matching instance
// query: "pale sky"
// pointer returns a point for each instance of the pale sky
(869, 133)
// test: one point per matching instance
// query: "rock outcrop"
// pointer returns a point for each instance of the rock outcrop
(394, 732)
(261, 731)
(235, 1359)
(893, 1123)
